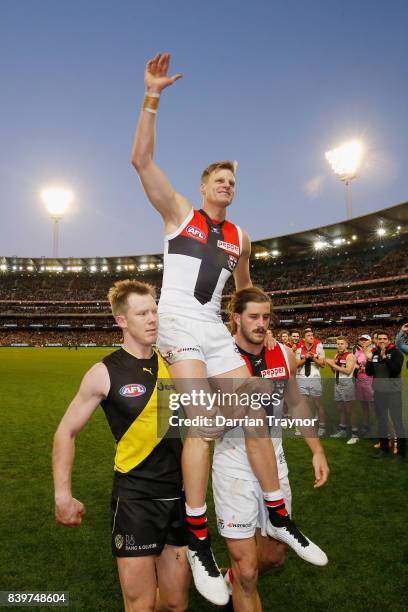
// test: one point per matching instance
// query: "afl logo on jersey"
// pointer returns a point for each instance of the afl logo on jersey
(132, 390)
(195, 232)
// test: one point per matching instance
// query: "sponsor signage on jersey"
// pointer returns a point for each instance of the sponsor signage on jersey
(274, 373)
(227, 246)
(232, 262)
(133, 390)
(195, 232)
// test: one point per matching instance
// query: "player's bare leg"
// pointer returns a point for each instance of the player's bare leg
(173, 569)
(137, 577)
(321, 413)
(241, 577)
(244, 566)
(342, 428)
(271, 553)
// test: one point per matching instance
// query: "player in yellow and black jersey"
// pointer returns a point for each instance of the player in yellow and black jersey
(148, 517)
(144, 462)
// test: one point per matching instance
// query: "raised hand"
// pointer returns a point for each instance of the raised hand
(156, 78)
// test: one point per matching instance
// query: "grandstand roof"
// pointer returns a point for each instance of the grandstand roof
(364, 227)
(393, 220)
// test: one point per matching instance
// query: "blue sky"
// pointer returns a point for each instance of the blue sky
(273, 84)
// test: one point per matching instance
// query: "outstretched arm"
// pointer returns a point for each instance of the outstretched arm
(172, 206)
(94, 388)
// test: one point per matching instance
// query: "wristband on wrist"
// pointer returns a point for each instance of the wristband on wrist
(151, 102)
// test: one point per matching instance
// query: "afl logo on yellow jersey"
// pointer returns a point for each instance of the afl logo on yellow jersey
(133, 390)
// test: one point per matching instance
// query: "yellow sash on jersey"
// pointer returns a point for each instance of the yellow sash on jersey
(141, 438)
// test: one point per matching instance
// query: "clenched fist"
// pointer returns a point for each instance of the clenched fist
(69, 511)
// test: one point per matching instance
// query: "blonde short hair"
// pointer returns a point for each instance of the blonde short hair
(219, 165)
(119, 293)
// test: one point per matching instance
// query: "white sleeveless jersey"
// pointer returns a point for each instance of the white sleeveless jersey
(199, 257)
(314, 370)
(230, 456)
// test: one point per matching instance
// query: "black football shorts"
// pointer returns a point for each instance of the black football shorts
(142, 527)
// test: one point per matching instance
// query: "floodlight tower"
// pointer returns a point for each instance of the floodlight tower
(56, 201)
(345, 162)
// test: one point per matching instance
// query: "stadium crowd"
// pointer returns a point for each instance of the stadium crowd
(323, 296)
(106, 337)
(323, 269)
(65, 338)
(369, 264)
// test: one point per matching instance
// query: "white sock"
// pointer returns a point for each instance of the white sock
(273, 495)
(196, 511)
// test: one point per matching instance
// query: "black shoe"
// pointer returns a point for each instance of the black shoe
(380, 454)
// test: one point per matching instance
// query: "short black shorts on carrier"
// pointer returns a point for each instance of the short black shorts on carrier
(142, 527)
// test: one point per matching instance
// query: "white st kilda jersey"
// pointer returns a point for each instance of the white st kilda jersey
(198, 260)
(230, 456)
(309, 369)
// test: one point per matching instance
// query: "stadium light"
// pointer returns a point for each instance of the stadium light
(345, 162)
(57, 201)
(381, 231)
(320, 244)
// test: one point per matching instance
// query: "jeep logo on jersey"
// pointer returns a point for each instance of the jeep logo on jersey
(132, 390)
(227, 246)
(273, 373)
(195, 232)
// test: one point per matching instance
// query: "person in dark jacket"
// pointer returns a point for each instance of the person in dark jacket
(401, 339)
(384, 364)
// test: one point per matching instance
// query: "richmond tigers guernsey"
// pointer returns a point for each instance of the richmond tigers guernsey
(198, 260)
(146, 465)
(230, 455)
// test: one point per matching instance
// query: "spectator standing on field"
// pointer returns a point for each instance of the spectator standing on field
(385, 365)
(364, 383)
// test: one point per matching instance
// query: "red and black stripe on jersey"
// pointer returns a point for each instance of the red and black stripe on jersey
(217, 245)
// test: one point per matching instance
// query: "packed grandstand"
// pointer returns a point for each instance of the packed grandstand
(347, 278)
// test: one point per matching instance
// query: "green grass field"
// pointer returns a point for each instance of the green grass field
(360, 517)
